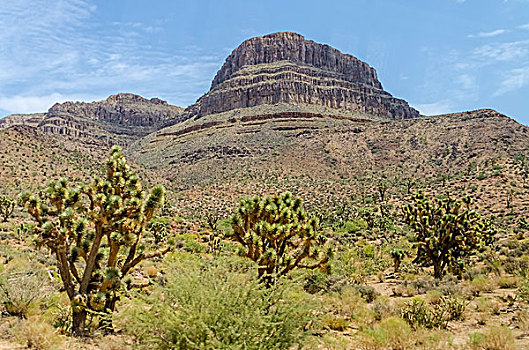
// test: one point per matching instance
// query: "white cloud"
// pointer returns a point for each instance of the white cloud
(503, 51)
(59, 47)
(513, 80)
(524, 26)
(436, 108)
(32, 104)
(488, 34)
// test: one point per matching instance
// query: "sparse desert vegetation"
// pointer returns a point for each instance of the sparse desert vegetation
(242, 280)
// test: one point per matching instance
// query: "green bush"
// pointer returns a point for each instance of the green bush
(216, 304)
(437, 314)
(21, 286)
(494, 338)
(523, 290)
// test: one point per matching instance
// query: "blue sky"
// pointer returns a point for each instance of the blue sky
(440, 55)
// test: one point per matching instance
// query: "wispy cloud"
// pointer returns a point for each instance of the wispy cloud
(505, 51)
(524, 26)
(513, 80)
(59, 50)
(488, 34)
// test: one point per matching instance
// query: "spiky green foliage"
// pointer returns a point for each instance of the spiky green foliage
(7, 205)
(279, 236)
(397, 255)
(447, 231)
(95, 231)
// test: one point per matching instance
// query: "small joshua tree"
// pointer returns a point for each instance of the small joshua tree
(397, 255)
(7, 205)
(95, 232)
(279, 236)
(447, 231)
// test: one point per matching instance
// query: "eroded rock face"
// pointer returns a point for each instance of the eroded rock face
(120, 119)
(286, 68)
(22, 119)
(121, 109)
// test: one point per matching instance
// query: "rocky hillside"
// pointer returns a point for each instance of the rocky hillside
(327, 158)
(120, 119)
(284, 68)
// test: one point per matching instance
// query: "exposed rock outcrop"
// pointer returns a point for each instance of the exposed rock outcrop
(22, 119)
(286, 68)
(120, 118)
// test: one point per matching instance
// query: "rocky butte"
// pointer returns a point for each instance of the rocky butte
(285, 68)
(120, 118)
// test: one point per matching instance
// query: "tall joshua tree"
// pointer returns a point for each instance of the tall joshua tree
(95, 231)
(447, 231)
(279, 236)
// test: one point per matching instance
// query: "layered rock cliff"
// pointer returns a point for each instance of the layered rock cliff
(284, 68)
(119, 119)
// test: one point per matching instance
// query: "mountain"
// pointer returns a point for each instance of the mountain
(283, 114)
(284, 68)
(120, 119)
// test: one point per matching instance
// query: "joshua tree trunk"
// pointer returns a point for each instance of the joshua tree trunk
(78, 325)
(437, 270)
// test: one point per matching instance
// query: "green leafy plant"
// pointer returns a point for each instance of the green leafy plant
(95, 232)
(447, 232)
(279, 236)
(217, 304)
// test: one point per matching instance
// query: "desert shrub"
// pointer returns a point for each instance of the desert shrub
(508, 282)
(367, 292)
(517, 266)
(317, 281)
(21, 286)
(392, 333)
(36, 334)
(523, 289)
(494, 338)
(216, 304)
(480, 284)
(384, 308)
(419, 313)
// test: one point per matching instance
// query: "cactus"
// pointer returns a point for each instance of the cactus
(447, 231)
(7, 205)
(279, 236)
(95, 232)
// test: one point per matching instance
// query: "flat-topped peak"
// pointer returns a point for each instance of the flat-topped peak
(285, 68)
(282, 35)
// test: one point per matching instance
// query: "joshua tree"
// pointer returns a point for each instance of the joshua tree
(7, 205)
(279, 236)
(95, 232)
(448, 232)
(397, 255)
